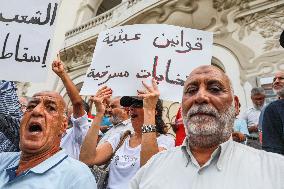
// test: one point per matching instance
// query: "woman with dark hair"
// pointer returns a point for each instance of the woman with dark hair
(147, 139)
(160, 124)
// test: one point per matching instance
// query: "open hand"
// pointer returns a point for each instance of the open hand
(150, 95)
(100, 99)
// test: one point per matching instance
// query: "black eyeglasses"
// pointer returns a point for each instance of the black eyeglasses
(136, 105)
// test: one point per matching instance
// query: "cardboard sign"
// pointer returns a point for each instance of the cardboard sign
(26, 30)
(124, 56)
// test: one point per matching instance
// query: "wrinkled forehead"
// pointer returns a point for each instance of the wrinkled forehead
(205, 73)
(49, 96)
(279, 74)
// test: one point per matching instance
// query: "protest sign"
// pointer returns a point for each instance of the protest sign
(26, 30)
(124, 56)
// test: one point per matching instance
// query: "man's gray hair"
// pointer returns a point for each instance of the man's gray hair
(257, 91)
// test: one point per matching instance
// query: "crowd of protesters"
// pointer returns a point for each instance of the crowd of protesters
(44, 144)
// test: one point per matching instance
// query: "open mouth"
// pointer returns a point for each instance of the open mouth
(35, 128)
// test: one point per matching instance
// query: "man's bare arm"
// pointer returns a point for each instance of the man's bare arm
(72, 91)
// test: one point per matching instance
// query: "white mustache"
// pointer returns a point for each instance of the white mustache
(204, 109)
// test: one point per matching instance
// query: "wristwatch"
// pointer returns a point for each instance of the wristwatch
(148, 128)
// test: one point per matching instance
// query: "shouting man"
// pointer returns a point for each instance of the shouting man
(41, 163)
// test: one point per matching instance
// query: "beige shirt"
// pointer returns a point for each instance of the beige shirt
(232, 166)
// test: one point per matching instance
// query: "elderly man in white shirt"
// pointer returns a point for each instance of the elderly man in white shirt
(119, 117)
(209, 158)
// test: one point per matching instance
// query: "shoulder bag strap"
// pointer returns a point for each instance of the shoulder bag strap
(122, 139)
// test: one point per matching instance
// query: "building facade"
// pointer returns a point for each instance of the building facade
(246, 35)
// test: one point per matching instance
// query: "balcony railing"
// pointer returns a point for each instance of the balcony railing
(113, 17)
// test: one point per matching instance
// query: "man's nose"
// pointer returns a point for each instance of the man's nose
(201, 96)
(277, 80)
(38, 110)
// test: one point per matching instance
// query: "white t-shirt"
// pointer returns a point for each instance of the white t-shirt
(126, 161)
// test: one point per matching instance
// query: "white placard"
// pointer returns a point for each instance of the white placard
(124, 56)
(26, 30)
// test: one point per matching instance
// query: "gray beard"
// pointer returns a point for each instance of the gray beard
(115, 120)
(208, 131)
(279, 92)
(257, 107)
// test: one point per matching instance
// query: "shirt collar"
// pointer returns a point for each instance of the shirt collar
(222, 153)
(125, 122)
(40, 168)
(50, 162)
(11, 169)
(14, 164)
(257, 110)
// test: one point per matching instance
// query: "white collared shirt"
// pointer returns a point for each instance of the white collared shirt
(231, 166)
(251, 116)
(72, 141)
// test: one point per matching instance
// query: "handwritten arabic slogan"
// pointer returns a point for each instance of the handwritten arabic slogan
(25, 40)
(124, 56)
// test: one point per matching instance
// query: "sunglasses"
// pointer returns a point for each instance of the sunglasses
(136, 105)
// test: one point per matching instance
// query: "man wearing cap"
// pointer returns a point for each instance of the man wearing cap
(209, 158)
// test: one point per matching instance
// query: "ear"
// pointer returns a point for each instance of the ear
(236, 104)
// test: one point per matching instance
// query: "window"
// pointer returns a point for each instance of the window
(107, 5)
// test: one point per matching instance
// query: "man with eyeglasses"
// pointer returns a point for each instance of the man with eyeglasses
(118, 117)
(273, 118)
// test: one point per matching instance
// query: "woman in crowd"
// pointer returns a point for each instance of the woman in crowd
(148, 137)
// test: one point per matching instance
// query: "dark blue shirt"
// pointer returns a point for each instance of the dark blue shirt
(272, 127)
